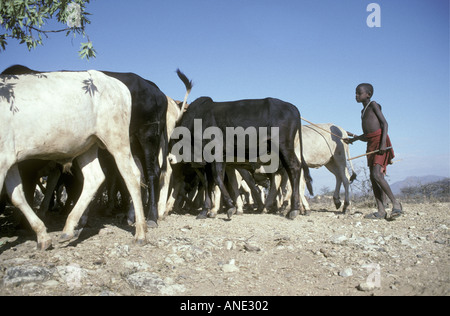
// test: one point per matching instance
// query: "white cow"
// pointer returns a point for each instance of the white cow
(62, 116)
(321, 148)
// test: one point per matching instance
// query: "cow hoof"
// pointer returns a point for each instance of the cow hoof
(231, 212)
(292, 215)
(337, 203)
(66, 237)
(202, 215)
(240, 212)
(140, 242)
(77, 232)
(131, 219)
(212, 215)
(44, 245)
(152, 224)
(346, 210)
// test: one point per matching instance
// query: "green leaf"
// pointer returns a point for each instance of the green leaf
(87, 51)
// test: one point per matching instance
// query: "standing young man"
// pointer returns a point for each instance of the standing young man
(375, 128)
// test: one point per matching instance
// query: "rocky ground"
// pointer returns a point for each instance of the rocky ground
(325, 253)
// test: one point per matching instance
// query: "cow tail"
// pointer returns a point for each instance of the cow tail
(165, 151)
(305, 167)
(347, 153)
(188, 84)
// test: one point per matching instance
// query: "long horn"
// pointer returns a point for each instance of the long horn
(188, 84)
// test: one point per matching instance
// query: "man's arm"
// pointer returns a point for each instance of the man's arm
(383, 125)
(354, 139)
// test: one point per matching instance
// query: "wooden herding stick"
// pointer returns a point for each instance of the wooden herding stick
(372, 152)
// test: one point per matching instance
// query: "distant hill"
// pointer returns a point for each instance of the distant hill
(414, 182)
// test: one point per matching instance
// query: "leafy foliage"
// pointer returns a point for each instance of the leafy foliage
(438, 191)
(25, 20)
(435, 191)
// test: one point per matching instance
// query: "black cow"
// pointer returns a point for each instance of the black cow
(147, 127)
(250, 115)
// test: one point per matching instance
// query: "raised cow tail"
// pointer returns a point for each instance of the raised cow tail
(188, 84)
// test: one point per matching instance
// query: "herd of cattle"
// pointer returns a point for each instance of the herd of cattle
(116, 129)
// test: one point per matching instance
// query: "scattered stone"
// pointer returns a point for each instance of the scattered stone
(348, 272)
(146, 281)
(229, 245)
(407, 242)
(51, 283)
(174, 259)
(251, 248)
(338, 239)
(73, 275)
(230, 267)
(326, 253)
(366, 287)
(153, 284)
(136, 266)
(186, 228)
(119, 251)
(26, 274)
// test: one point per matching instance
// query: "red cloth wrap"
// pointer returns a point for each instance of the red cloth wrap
(373, 143)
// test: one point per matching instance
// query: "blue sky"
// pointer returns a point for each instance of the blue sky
(312, 53)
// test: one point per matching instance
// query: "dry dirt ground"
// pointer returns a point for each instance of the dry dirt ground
(325, 253)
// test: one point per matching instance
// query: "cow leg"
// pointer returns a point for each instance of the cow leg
(279, 191)
(293, 168)
(15, 191)
(287, 189)
(149, 139)
(271, 199)
(207, 197)
(93, 178)
(302, 193)
(336, 195)
(342, 177)
(151, 173)
(111, 189)
(153, 188)
(346, 180)
(52, 182)
(219, 174)
(255, 191)
(346, 183)
(132, 178)
(216, 205)
(144, 195)
(165, 202)
(333, 168)
(233, 186)
(177, 183)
